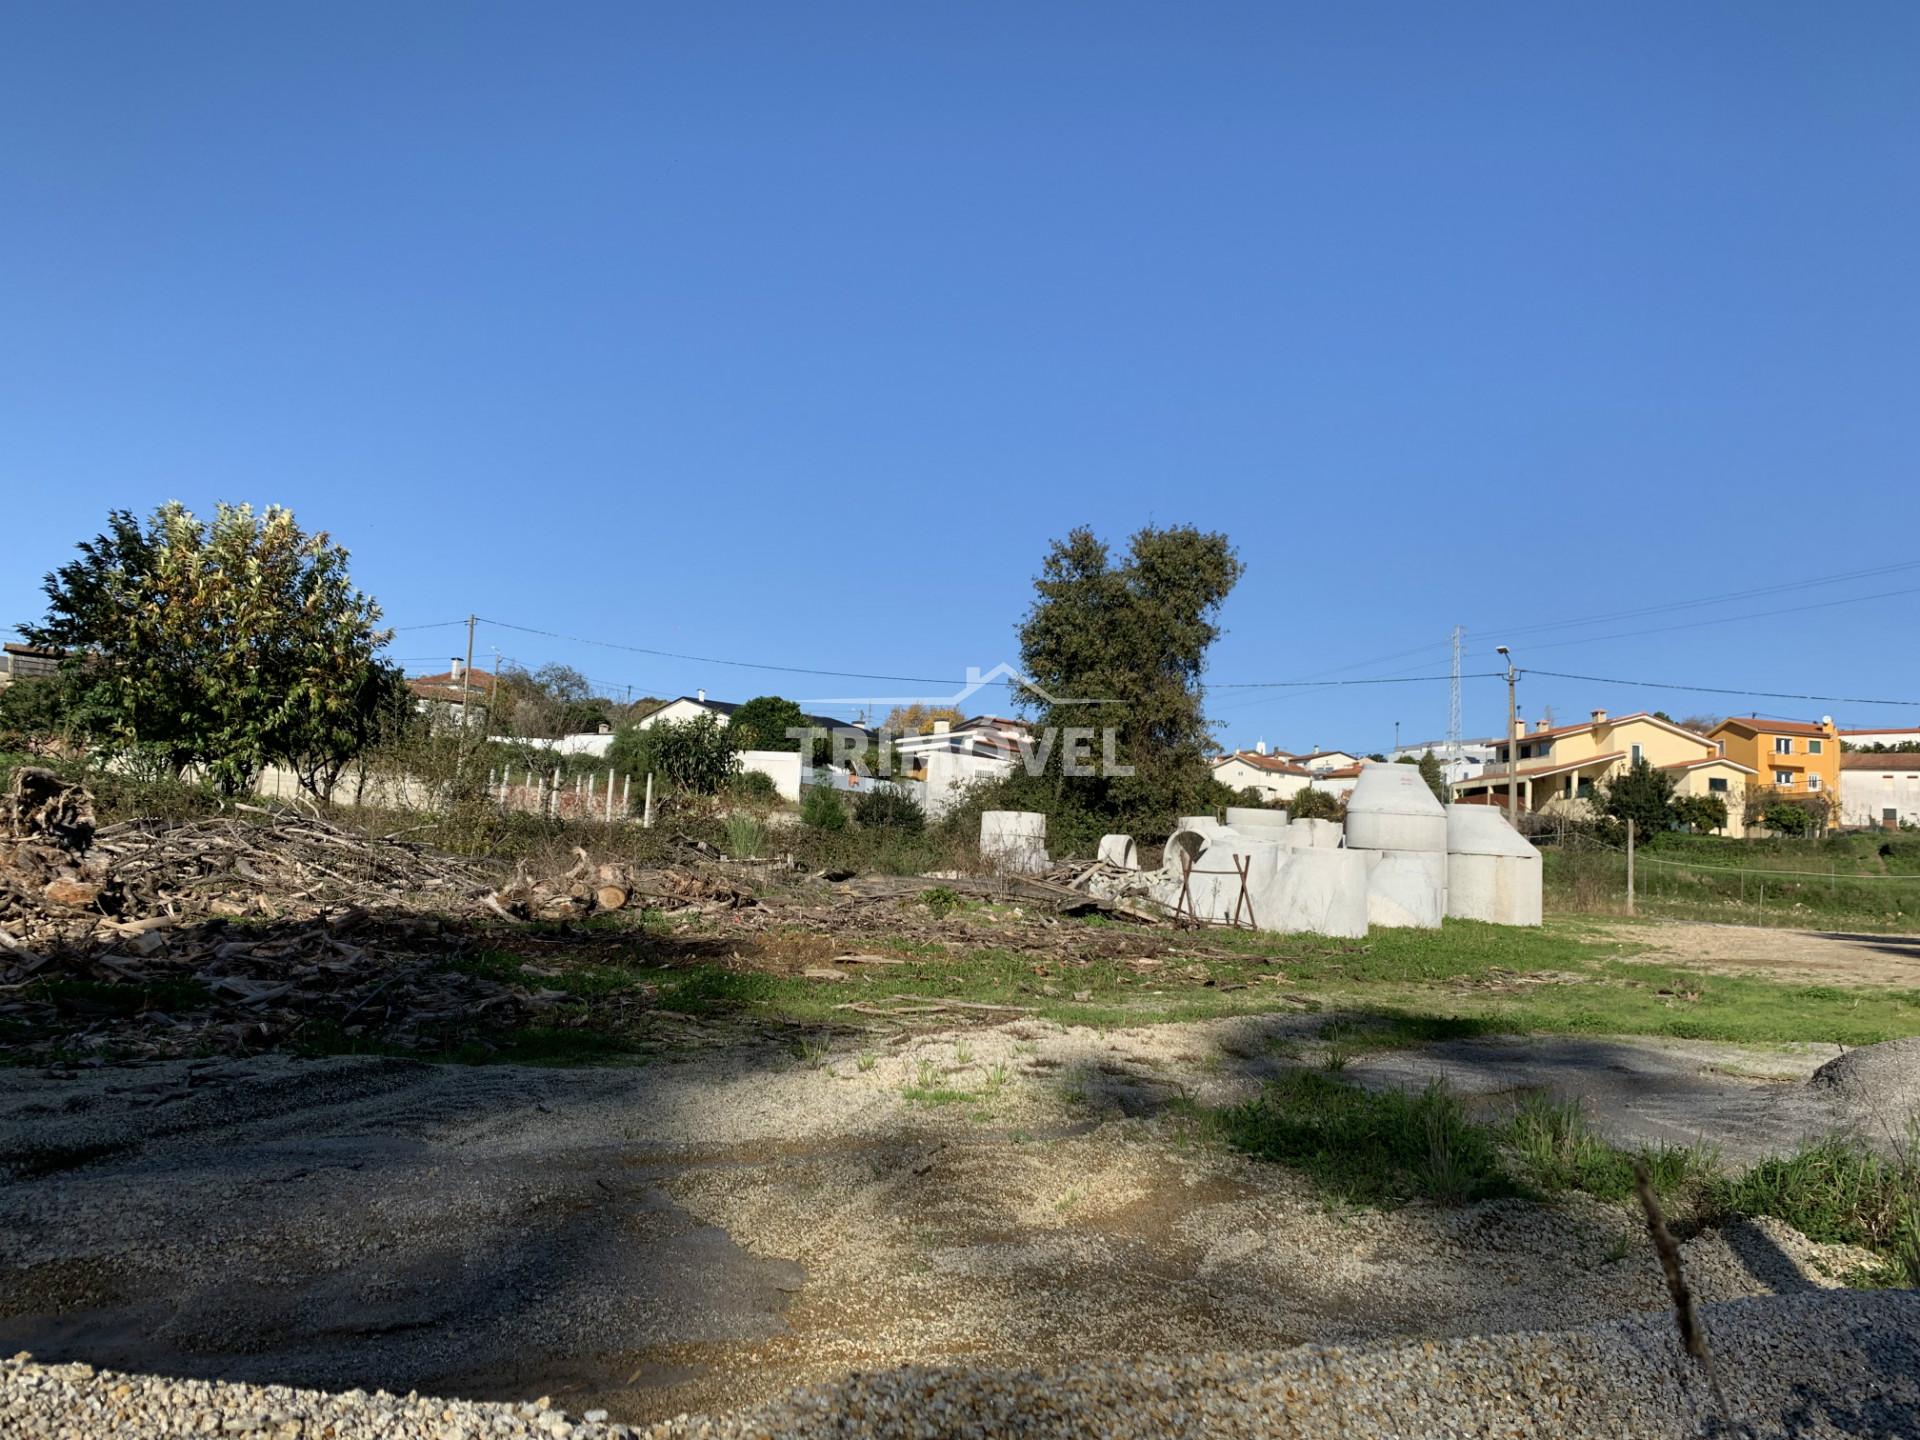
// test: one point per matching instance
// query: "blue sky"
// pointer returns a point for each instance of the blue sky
(793, 334)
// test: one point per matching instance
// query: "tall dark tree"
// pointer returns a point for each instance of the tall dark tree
(1641, 794)
(1131, 635)
(762, 723)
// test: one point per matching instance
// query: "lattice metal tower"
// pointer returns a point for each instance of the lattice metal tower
(1453, 705)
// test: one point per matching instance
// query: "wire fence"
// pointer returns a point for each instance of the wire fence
(1867, 884)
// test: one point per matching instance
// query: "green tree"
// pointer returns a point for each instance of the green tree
(224, 644)
(37, 711)
(763, 722)
(1701, 814)
(1641, 794)
(699, 756)
(1131, 635)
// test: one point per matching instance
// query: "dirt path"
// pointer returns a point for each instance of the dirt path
(1820, 956)
(698, 1235)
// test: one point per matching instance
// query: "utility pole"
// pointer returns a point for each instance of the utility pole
(466, 677)
(1453, 706)
(1513, 742)
(1396, 739)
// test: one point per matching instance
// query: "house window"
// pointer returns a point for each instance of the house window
(1816, 747)
(1636, 754)
(1719, 787)
(1783, 778)
(1783, 745)
(1813, 782)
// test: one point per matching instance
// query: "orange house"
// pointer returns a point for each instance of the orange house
(1795, 757)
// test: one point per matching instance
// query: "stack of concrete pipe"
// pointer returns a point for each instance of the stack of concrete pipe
(1493, 873)
(1401, 860)
(1014, 841)
(1286, 887)
(1395, 822)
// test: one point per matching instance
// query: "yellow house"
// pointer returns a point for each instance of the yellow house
(1796, 758)
(1557, 767)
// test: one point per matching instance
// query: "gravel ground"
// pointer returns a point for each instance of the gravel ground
(1843, 1363)
(701, 1235)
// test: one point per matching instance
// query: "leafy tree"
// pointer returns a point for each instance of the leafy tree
(763, 722)
(377, 709)
(888, 807)
(820, 808)
(224, 644)
(700, 756)
(545, 704)
(37, 711)
(1701, 814)
(1131, 635)
(918, 719)
(1641, 794)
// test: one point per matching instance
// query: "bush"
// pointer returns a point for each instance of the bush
(820, 809)
(699, 755)
(888, 807)
(754, 787)
(745, 836)
(1312, 804)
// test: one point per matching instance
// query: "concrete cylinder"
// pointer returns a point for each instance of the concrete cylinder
(1391, 808)
(1118, 850)
(1323, 892)
(1493, 873)
(1014, 841)
(1255, 820)
(1406, 889)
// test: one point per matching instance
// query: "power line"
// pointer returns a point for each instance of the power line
(1719, 690)
(1725, 619)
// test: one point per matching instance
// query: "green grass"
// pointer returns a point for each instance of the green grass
(109, 997)
(1386, 1148)
(1838, 1193)
(1369, 1148)
(1553, 1151)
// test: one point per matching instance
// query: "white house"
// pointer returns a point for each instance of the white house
(688, 707)
(1880, 791)
(1320, 761)
(1860, 739)
(1459, 759)
(1274, 778)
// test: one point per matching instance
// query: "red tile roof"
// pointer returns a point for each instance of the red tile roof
(1709, 760)
(1755, 726)
(1272, 764)
(1895, 760)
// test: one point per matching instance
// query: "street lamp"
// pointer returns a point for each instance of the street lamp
(1513, 741)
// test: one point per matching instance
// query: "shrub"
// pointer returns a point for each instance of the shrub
(1312, 804)
(699, 755)
(820, 808)
(754, 787)
(745, 836)
(888, 807)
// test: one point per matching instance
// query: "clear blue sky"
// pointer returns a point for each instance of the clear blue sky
(793, 333)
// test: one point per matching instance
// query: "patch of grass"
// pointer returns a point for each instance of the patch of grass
(813, 1050)
(1838, 1193)
(1555, 1151)
(704, 990)
(745, 836)
(1369, 1148)
(941, 901)
(866, 1061)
